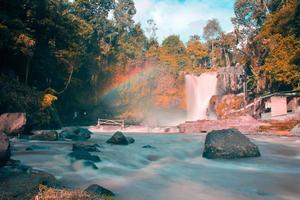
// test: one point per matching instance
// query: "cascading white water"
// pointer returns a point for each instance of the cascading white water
(199, 90)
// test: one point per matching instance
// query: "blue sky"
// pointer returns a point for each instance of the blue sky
(184, 17)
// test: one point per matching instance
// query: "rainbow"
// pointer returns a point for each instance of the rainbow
(125, 80)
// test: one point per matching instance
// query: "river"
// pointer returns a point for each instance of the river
(174, 169)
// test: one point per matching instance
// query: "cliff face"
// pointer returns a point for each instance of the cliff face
(230, 79)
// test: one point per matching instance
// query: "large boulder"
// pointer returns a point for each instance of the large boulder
(296, 130)
(21, 182)
(12, 123)
(4, 149)
(98, 190)
(76, 134)
(120, 139)
(229, 144)
(45, 135)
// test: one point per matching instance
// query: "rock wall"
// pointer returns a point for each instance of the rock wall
(245, 124)
(230, 79)
(223, 105)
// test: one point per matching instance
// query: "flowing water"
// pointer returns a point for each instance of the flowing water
(199, 91)
(174, 169)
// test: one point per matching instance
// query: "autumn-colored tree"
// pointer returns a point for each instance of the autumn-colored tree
(197, 52)
(280, 35)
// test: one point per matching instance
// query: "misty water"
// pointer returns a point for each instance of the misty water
(174, 169)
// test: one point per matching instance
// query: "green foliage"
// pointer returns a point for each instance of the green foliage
(16, 97)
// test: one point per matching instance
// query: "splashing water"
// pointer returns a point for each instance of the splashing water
(174, 168)
(199, 89)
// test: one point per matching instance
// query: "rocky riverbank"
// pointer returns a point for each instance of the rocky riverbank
(19, 181)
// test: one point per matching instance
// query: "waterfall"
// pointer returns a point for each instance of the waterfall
(199, 90)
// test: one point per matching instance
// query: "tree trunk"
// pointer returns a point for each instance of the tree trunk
(212, 53)
(27, 70)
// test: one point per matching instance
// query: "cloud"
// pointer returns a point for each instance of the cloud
(184, 17)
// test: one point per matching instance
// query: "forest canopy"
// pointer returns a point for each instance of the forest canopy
(91, 58)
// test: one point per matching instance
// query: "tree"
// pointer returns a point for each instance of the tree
(123, 15)
(173, 53)
(151, 30)
(280, 36)
(211, 32)
(197, 51)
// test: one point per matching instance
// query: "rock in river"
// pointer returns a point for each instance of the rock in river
(86, 147)
(120, 139)
(21, 182)
(229, 144)
(98, 190)
(4, 149)
(77, 134)
(84, 155)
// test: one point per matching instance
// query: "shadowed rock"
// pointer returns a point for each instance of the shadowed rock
(229, 144)
(4, 149)
(119, 139)
(148, 147)
(36, 147)
(86, 147)
(130, 140)
(89, 163)
(77, 134)
(21, 182)
(98, 190)
(84, 155)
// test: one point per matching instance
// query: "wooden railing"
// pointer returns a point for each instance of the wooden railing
(111, 122)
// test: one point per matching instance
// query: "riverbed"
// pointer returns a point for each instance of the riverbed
(173, 168)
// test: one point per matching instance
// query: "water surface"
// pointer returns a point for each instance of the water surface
(174, 168)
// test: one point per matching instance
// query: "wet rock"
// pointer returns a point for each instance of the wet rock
(12, 123)
(76, 134)
(296, 130)
(83, 131)
(4, 149)
(44, 135)
(229, 144)
(98, 190)
(86, 147)
(130, 140)
(84, 155)
(21, 182)
(148, 147)
(119, 139)
(36, 147)
(88, 163)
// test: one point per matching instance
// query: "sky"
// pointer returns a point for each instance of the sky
(183, 17)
